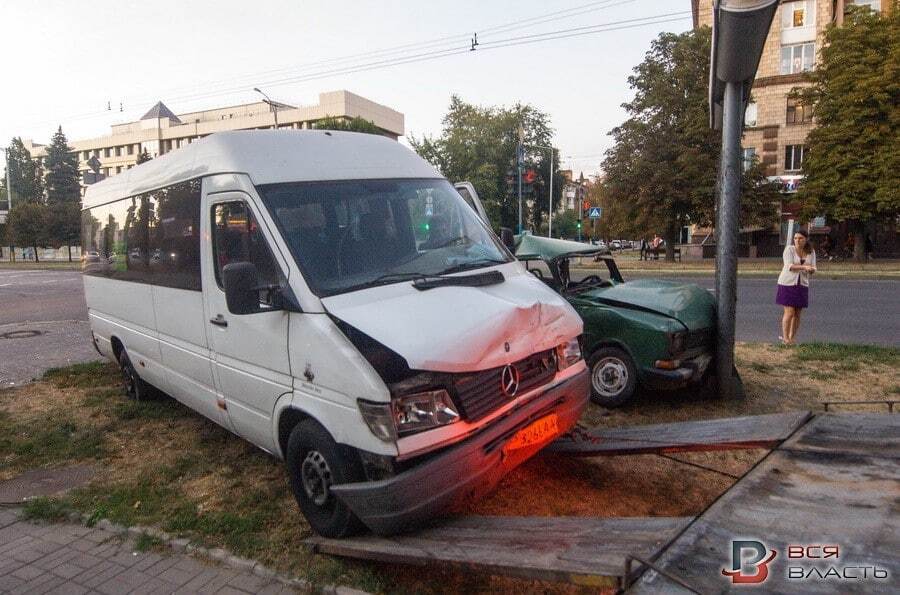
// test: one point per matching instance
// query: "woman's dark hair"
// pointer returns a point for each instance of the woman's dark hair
(807, 247)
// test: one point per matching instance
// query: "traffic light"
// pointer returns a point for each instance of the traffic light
(586, 205)
(529, 176)
(578, 225)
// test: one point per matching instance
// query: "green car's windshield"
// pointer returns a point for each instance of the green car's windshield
(347, 235)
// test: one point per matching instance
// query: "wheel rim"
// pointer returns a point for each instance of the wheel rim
(316, 476)
(610, 376)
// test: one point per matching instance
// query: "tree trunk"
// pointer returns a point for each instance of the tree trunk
(70, 252)
(671, 238)
(859, 241)
(36, 259)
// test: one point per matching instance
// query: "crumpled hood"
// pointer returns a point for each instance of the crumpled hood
(461, 329)
(690, 304)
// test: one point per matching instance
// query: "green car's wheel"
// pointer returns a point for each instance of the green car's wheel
(613, 376)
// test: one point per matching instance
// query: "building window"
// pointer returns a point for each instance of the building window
(86, 155)
(793, 157)
(97, 153)
(797, 14)
(118, 151)
(797, 112)
(106, 152)
(750, 115)
(797, 58)
(873, 4)
(118, 169)
(130, 149)
(749, 157)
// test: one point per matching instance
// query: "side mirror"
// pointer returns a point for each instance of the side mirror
(241, 283)
(508, 239)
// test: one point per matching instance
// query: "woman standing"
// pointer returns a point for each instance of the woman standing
(793, 283)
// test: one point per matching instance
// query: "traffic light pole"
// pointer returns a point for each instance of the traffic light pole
(727, 229)
(520, 150)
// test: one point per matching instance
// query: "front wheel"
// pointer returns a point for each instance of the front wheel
(315, 463)
(613, 377)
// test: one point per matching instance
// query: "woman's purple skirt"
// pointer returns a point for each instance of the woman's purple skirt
(795, 296)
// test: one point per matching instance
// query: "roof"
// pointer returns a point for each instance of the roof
(532, 247)
(160, 111)
(269, 157)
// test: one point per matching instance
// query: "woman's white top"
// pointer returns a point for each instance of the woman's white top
(790, 257)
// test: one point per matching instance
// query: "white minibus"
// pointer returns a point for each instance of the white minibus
(331, 298)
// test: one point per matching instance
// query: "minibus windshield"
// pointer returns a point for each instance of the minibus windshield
(351, 234)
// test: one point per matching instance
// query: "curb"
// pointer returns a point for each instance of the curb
(218, 555)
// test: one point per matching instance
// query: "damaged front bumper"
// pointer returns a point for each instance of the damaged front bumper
(465, 470)
(690, 372)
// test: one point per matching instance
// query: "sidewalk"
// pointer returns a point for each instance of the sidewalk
(73, 559)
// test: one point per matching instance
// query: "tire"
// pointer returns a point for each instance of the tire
(613, 377)
(135, 388)
(314, 462)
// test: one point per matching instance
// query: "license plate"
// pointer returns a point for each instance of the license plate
(534, 433)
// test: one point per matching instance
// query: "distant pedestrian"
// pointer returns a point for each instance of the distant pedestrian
(793, 283)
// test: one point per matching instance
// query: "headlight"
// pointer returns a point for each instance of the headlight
(568, 353)
(677, 342)
(409, 414)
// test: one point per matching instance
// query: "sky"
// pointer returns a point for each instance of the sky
(64, 62)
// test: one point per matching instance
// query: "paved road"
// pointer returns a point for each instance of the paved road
(43, 324)
(72, 559)
(51, 303)
(842, 311)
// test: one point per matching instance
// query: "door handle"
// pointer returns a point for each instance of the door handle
(219, 320)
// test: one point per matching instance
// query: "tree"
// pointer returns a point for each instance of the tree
(63, 222)
(662, 169)
(852, 166)
(356, 124)
(23, 174)
(478, 144)
(143, 157)
(62, 175)
(27, 225)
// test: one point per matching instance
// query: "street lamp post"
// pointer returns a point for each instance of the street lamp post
(740, 28)
(271, 103)
(12, 253)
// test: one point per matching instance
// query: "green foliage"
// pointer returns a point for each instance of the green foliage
(23, 174)
(62, 175)
(64, 224)
(662, 169)
(852, 167)
(27, 224)
(356, 124)
(847, 355)
(51, 510)
(143, 157)
(478, 144)
(564, 225)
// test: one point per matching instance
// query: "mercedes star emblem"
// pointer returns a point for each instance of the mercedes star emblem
(509, 380)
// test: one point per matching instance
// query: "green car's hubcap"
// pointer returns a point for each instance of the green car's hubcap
(610, 376)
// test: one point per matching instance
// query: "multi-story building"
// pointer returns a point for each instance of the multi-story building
(160, 130)
(776, 125)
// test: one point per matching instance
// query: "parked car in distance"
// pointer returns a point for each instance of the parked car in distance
(615, 245)
(649, 332)
(330, 297)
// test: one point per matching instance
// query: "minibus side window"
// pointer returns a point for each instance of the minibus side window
(237, 238)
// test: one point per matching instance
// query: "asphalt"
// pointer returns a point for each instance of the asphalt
(43, 317)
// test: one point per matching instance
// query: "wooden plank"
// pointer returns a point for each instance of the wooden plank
(753, 431)
(821, 488)
(581, 550)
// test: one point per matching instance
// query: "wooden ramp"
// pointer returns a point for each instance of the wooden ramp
(753, 431)
(836, 481)
(586, 551)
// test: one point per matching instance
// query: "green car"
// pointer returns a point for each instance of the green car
(649, 332)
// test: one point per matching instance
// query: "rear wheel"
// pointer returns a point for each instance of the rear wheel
(613, 377)
(315, 463)
(135, 388)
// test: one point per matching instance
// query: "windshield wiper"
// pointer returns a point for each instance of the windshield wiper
(476, 280)
(472, 264)
(387, 279)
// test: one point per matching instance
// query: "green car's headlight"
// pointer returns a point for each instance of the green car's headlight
(677, 342)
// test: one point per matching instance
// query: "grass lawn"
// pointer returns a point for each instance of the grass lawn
(31, 265)
(163, 465)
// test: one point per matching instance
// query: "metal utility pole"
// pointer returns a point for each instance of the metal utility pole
(12, 250)
(271, 103)
(740, 28)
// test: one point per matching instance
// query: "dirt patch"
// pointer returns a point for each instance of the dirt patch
(162, 464)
